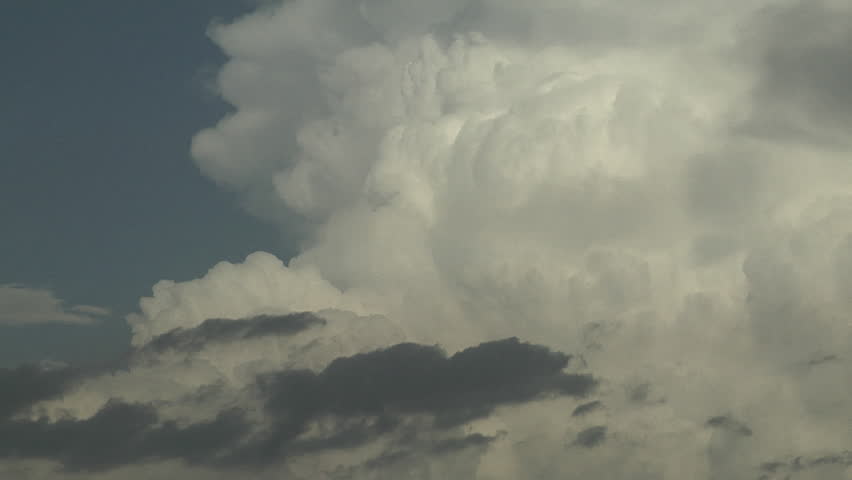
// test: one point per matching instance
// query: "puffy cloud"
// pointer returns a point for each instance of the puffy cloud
(660, 188)
(21, 305)
(599, 178)
(260, 285)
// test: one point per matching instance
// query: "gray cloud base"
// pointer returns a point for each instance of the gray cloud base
(365, 396)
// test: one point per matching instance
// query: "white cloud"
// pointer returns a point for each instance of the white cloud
(602, 178)
(21, 305)
(574, 173)
(262, 284)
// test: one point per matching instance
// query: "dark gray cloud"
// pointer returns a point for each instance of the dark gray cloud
(787, 467)
(357, 399)
(729, 424)
(587, 408)
(23, 386)
(417, 378)
(220, 330)
(591, 437)
(118, 434)
(370, 394)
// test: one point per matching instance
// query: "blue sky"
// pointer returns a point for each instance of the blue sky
(99, 198)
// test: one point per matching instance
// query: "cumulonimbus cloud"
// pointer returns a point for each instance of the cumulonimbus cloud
(659, 188)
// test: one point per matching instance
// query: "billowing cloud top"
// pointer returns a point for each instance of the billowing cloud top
(659, 188)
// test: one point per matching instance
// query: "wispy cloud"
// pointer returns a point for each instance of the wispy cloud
(20, 305)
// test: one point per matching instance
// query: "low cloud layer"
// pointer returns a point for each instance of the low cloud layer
(222, 330)
(659, 189)
(410, 400)
(118, 434)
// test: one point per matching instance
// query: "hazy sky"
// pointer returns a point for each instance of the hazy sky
(456, 239)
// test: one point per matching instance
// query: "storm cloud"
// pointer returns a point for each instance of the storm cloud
(416, 378)
(659, 188)
(380, 389)
(357, 399)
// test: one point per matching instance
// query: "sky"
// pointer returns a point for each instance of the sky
(457, 239)
(99, 196)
